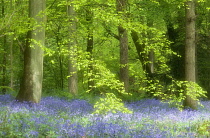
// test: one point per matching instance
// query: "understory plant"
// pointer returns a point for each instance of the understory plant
(55, 117)
(110, 103)
(176, 92)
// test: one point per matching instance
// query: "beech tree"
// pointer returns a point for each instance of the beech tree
(31, 86)
(72, 84)
(190, 46)
(123, 40)
(4, 61)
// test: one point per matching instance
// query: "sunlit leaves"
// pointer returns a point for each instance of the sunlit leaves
(110, 104)
(176, 92)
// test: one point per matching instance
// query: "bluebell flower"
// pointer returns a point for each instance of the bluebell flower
(33, 133)
(66, 119)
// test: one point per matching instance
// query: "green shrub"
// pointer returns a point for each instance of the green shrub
(110, 104)
(176, 92)
(204, 129)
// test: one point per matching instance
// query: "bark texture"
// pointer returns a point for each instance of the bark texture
(190, 46)
(123, 39)
(73, 79)
(31, 86)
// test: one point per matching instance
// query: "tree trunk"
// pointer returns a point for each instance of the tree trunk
(190, 51)
(72, 66)
(4, 61)
(11, 62)
(31, 86)
(90, 44)
(123, 39)
(144, 58)
(151, 61)
(60, 60)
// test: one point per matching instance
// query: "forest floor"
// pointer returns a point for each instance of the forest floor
(60, 118)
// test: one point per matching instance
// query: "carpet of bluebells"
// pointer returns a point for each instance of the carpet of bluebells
(59, 118)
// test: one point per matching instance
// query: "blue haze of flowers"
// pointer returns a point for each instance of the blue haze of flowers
(59, 118)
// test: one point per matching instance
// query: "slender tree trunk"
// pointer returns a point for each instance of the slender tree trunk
(72, 66)
(11, 63)
(139, 47)
(60, 81)
(4, 61)
(147, 59)
(151, 53)
(144, 58)
(31, 86)
(11, 51)
(60, 59)
(90, 44)
(123, 39)
(190, 46)
(61, 69)
(151, 62)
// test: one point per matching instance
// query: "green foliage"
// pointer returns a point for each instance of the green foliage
(151, 88)
(110, 104)
(105, 78)
(58, 93)
(194, 90)
(9, 90)
(175, 93)
(140, 17)
(203, 128)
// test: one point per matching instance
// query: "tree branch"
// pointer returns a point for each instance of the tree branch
(111, 33)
